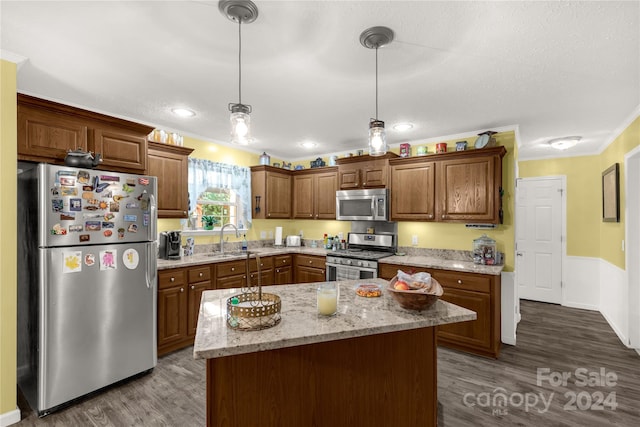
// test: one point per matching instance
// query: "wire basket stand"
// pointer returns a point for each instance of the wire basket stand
(252, 309)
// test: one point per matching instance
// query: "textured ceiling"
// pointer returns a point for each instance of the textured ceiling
(547, 69)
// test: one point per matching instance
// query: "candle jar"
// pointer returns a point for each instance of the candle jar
(327, 298)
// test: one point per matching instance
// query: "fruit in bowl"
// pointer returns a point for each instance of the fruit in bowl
(401, 286)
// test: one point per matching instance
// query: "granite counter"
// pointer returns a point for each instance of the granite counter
(357, 316)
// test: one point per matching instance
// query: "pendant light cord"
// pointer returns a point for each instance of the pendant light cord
(240, 61)
(376, 82)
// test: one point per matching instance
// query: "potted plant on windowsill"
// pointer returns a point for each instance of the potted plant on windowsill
(208, 222)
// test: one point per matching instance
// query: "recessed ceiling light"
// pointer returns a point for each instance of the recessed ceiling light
(308, 144)
(401, 127)
(564, 142)
(183, 112)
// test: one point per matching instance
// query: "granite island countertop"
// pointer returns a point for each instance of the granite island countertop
(357, 316)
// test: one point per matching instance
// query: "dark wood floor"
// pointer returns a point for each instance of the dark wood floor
(470, 388)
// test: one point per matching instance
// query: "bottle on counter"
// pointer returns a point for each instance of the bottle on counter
(244, 243)
(329, 244)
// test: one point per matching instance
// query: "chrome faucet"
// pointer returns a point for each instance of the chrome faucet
(222, 235)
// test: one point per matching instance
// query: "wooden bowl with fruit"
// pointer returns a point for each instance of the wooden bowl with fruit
(415, 295)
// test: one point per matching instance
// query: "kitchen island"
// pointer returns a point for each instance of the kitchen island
(372, 364)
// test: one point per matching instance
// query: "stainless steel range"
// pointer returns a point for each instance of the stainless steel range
(360, 259)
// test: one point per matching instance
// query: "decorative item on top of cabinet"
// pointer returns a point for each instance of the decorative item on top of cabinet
(478, 292)
(169, 163)
(179, 294)
(364, 171)
(317, 186)
(273, 186)
(48, 130)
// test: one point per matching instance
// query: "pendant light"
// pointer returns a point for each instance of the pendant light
(242, 12)
(375, 38)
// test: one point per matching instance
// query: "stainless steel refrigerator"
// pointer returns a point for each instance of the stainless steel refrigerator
(86, 281)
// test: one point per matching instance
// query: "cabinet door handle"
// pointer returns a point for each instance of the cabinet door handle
(277, 270)
(184, 212)
(173, 279)
(181, 289)
(459, 282)
(443, 216)
(430, 215)
(284, 260)
(193, 287)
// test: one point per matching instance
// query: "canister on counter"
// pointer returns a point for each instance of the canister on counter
(484, 250)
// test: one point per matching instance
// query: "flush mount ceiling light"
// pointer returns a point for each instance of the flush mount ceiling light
(374, 38)
(564, 142)
(402, 127)
(308, 144)
(242, 12)
(183, 112)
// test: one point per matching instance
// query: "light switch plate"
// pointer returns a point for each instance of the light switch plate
(263, 234)
(414, 239)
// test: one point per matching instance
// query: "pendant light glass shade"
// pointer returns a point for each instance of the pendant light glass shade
(240, 124)
(377, 138)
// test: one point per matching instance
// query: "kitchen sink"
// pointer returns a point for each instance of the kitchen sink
(227, 254)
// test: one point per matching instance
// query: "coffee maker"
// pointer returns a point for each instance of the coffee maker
(170, 245)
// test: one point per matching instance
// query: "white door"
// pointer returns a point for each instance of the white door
(539, 239)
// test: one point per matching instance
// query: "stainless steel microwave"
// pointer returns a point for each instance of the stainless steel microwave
(362, 205)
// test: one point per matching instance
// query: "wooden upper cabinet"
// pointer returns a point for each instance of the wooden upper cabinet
(468, 188)
(270, 192)
(47, 130)
(169, 163)
(314, 193)
(364, 171)
(413, 190)
(120, 149)
(462, 186)
(47, 136)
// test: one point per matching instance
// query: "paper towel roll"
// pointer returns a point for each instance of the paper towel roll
(278, 240)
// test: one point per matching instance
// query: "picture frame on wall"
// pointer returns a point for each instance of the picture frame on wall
(611, 194)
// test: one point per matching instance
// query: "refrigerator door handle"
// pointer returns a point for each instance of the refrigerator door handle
(154, 218)
(152, 265)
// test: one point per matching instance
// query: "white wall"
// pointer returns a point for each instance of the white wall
(614, 294)
(581, 279)
(510, 308)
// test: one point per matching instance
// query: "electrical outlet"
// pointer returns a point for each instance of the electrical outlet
(271, 234)
(414, 240)
(263, 234)
(341, 235)
(301, 234)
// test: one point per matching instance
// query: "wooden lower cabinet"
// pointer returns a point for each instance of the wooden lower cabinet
(179, 294)
(282, 269)
(309, 268)
(477, 292)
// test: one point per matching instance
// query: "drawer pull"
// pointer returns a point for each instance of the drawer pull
(459, 282)
(173, 279)
(201, 274)
(233, 269)
(310, 262)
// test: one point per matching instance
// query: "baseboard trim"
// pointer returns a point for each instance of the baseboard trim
(581, 306)
(9, 418)
(612, 325)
